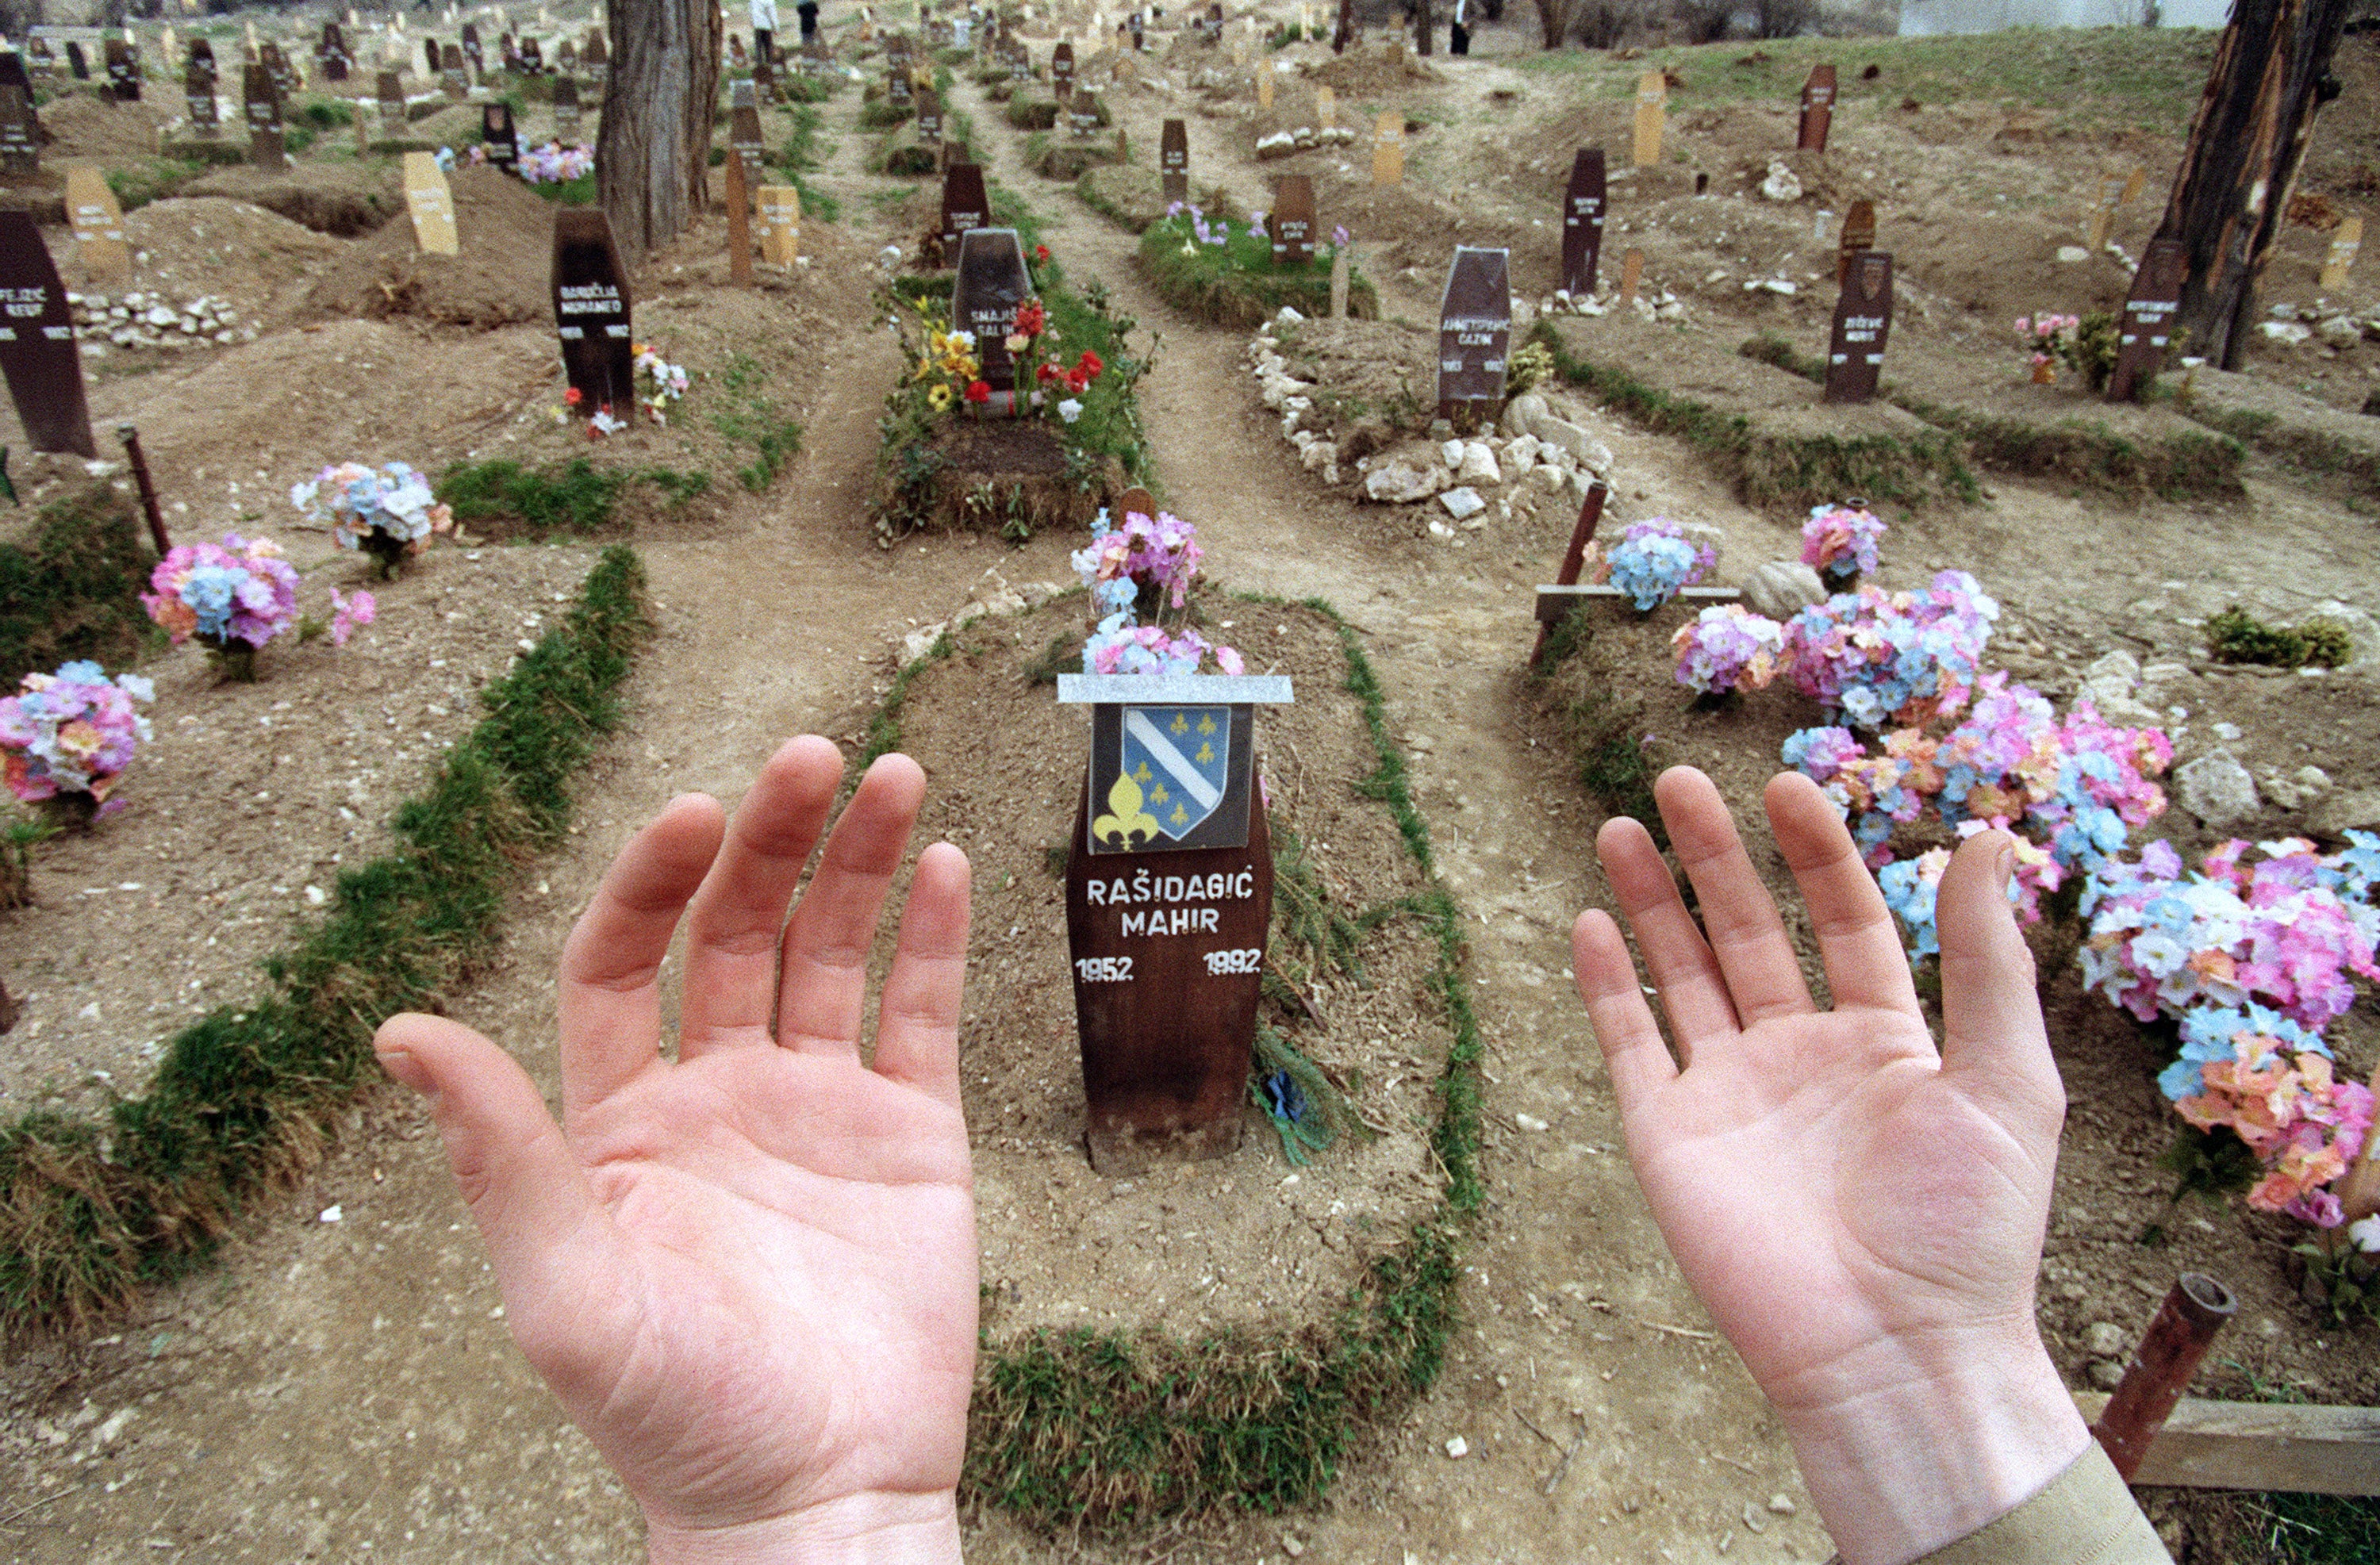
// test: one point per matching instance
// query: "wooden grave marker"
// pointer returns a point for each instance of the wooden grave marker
(20, 124)
(1652, 111)
(1173, 161)
(592, 306)
(569, 119)
(333, 54)
(737, 59)
(746, 139)
(472, 54)
(502, 140)
(431, 57)
(533, 56)
(203, 57)
(1388, 149)
(1862, 322)
(781, 225)
(566, 59)
(2149, 309)
(430, 204)
(38, 352)
(40, 61)
(898, 84)
(991, 282)
(122, 71)
(1326, 108)
(1583, 214)
(739, 224)
(930, 116)
(276, 68)
(390, 90)
(764, 76)
(1475, 328)
(1859, 234)
(964, 207)
(267, 147)
(1817, 109)
(75, 64)
(1062, 71)
(598, 60)
(453, 75)
(1169, 900)
(1631, 274)
(1342, 277)
(1264, 86)
(97, 221)
(2340, 261)
(1292, 221)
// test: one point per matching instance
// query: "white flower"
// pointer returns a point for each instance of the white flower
(2158, 955)
(2365, 1232)
(965, 339)
(1070, 410)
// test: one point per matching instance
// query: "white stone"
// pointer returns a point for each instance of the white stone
(2340, 331)
(1478, 464)
(1321, 454)
(2070, 254)
(1782, 184)
(2216, 788)
(1403, 483)
(1462, 503)
(1458, 1448)
(1529, 1121)
(2290, 332)
(1288, 316)
(1781, 588)
(1521, 414)
(2338, 814)
(2361, 629)
(921, 641)
(1452, 452)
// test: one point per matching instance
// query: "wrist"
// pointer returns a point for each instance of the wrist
(1908, 1446)
(876, 1526)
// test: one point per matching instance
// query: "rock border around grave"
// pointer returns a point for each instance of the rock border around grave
(1246, 1420)
(1781, 449)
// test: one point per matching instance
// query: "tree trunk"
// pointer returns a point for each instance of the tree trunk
(653, 156)
(1421, 22)
(2247, 143)
(1553, 20)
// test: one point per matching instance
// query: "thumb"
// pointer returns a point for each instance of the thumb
(516, 1174)
(1994, 1040)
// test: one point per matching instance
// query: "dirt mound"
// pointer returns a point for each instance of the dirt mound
(1385, 68)
(502, 276)
(328, 198)
(80, 127)
(257, 260)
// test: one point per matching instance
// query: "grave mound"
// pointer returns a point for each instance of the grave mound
(1384, 67)
(79, 125)
(1000, 474)
(338, 199)
(502, 275)
(1375, 382)
(1412, 224)
(257, 260)
(1135, 197)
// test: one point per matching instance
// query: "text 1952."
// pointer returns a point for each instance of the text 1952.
(1103, 969)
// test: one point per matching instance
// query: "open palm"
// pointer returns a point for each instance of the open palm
(749, 1273)
(1861, 1214)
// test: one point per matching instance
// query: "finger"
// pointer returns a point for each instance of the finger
(1693, 992)
(1632, 1050)
(918, 1025)
(1739, 919)
(738, 916)
(1994, 1040)
(825, 982)
(1858, 941)
(515, 1173)
(609, 997)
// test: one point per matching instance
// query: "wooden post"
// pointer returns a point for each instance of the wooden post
(1631, 273)
(1652, 109)
(739, 224)
(1581, 533)
(2184, 1329)
(2341, 258)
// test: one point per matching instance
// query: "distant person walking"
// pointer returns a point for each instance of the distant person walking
(808, 12)
(1458, 36)
(764, 31)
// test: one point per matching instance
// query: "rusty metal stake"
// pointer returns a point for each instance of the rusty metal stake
(2161, 1368)
(130, 436)
(1575, 557)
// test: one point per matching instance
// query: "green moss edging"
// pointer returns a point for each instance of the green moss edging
(2180, 466)
(73, 589)
(91, 1208)
(1769, 469)
(1228, 285)
(1116, 1432)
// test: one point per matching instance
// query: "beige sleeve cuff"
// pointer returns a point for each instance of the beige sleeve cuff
(2086, 1516)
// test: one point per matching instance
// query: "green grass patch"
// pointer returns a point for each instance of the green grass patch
(151, 179)
(573, 497)
(2237, 637)
(801, 87)
(92, 1208)
(72, 588)
(883, 114)
(1113, 1433)
(1779, 470)
(1236, 283)
(749, 418)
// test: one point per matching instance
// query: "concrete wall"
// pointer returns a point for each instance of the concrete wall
(1919, 16)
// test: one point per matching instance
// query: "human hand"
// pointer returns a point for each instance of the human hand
(748, 1273)
(1861, 1214)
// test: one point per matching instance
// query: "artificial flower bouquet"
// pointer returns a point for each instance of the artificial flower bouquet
(388, 513)
(234, 597)
(1727, 648)
(67, 738)
(1652, 563)
(1139, 574)
(2045, 338)
(1840, 540)
(555, 163)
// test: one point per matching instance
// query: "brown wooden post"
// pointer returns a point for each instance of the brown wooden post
(739, 224)
(2149, 306)
(130, 435)
(1817, 109)
(1862, 324)
(2184, 1329)
(1583, 203)
(1590, 513)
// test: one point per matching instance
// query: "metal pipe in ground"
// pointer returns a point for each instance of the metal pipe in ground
(2168, 1355)
(130, 436)
(1574, 558)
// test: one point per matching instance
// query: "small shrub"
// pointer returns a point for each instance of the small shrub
(2090, 349)
(2237, 637)
(75, 590)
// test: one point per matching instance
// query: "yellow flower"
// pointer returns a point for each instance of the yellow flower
(939, 398)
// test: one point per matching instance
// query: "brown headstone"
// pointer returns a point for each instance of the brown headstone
(569, 119)
(390, 90)
(1062, 71)
(1817, 108)
(76, 64)
(592, 311)
(748, 141)
(276, 66)
(2148, 318)
(1859, 234)
(1292, 221)
(20, 130)
(333, 53)
(202, 58)
(929, 115)
(598, 59)
(1173, 161)
(453, 75)
(991, 282)
(532, 56)
(37, 343)
(1583, 210)
(472, 55)
(502, 140)
(897, 86)
(1166, 977)
(266, 144)
(122, 71)
(964, 207)
(1475, 327)
(1863, 321)
(566, 57)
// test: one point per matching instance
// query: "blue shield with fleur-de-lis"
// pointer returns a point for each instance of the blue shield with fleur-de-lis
(1180, 758)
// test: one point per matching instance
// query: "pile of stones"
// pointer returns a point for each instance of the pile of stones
(151, 320)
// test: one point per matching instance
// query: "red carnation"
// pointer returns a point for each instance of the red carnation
(571, 397)
(978, 391)
(1076, 382)
(1040, 252)
(1090, 364)
(1046, 373)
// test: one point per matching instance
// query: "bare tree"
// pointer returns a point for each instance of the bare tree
(652, 156)
(2247, 143)
(1596, 24)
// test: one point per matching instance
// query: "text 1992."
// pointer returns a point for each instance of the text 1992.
(1243, 961)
